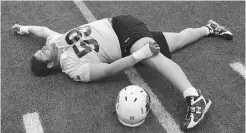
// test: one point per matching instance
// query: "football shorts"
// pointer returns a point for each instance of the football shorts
(130, 29)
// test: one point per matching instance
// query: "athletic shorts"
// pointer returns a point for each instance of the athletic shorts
(130, 29)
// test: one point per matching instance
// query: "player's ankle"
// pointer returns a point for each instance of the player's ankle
(207, 30)
(190, 92)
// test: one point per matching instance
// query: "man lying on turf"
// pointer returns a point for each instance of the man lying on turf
(105, 47)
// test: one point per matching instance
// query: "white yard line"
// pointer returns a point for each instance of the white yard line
(32, 123)
(240, 68)
(164, 118)
(159, 111)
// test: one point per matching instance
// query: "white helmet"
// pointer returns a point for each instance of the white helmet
(132, 105)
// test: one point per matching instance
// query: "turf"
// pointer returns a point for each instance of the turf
(67, 106)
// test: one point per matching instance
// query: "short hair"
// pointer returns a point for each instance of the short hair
(39, 67)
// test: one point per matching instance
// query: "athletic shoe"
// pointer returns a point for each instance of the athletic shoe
(197, 108)
(216, 30)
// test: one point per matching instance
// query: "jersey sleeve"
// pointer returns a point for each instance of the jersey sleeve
(76, 69)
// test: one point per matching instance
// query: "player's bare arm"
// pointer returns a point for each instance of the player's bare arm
(39, 31)
(102, 70)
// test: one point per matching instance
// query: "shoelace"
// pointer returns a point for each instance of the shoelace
(192, 109)
(218, 30)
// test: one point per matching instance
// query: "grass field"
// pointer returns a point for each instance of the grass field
(65, 106)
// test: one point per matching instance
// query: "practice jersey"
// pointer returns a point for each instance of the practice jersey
(94, 42)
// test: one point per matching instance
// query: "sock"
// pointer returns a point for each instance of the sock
(207, 29)
(190, 92)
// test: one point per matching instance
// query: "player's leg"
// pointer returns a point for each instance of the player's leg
(191, 94)
(133, 35)
(175, 75)
(165, 66)
(190, 35)
(187, 36)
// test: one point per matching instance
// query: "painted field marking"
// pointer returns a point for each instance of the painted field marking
(240, 68)
(159, 111)
(32, 123)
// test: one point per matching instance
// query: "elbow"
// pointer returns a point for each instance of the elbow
(112, 70)
(43, 29)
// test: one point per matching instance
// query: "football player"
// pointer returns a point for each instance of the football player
(105, 47)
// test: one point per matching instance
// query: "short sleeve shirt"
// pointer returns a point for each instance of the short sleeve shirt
(95, 42)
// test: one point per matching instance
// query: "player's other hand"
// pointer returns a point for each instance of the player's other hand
(16, 28)
(154, 48)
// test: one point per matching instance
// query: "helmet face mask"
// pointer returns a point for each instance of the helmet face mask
(132, 105)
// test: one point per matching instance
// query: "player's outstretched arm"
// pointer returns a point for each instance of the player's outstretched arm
(39, 31)
(102, 70)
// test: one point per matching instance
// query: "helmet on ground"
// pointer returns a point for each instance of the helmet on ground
(132, 105)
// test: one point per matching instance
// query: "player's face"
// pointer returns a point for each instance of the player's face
(47, 53)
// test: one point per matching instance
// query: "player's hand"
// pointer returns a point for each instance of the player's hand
(154, 48)
(16, 28)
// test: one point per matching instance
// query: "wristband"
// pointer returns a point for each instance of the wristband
(23, 30)
(142, 53)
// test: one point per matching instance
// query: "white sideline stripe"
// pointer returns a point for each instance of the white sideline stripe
(32, 123)
(159, 111)
(85, 11)
(240, 68)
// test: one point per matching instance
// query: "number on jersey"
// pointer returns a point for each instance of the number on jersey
(75, 35)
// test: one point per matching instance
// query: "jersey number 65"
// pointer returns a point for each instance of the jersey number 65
(75, 35)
